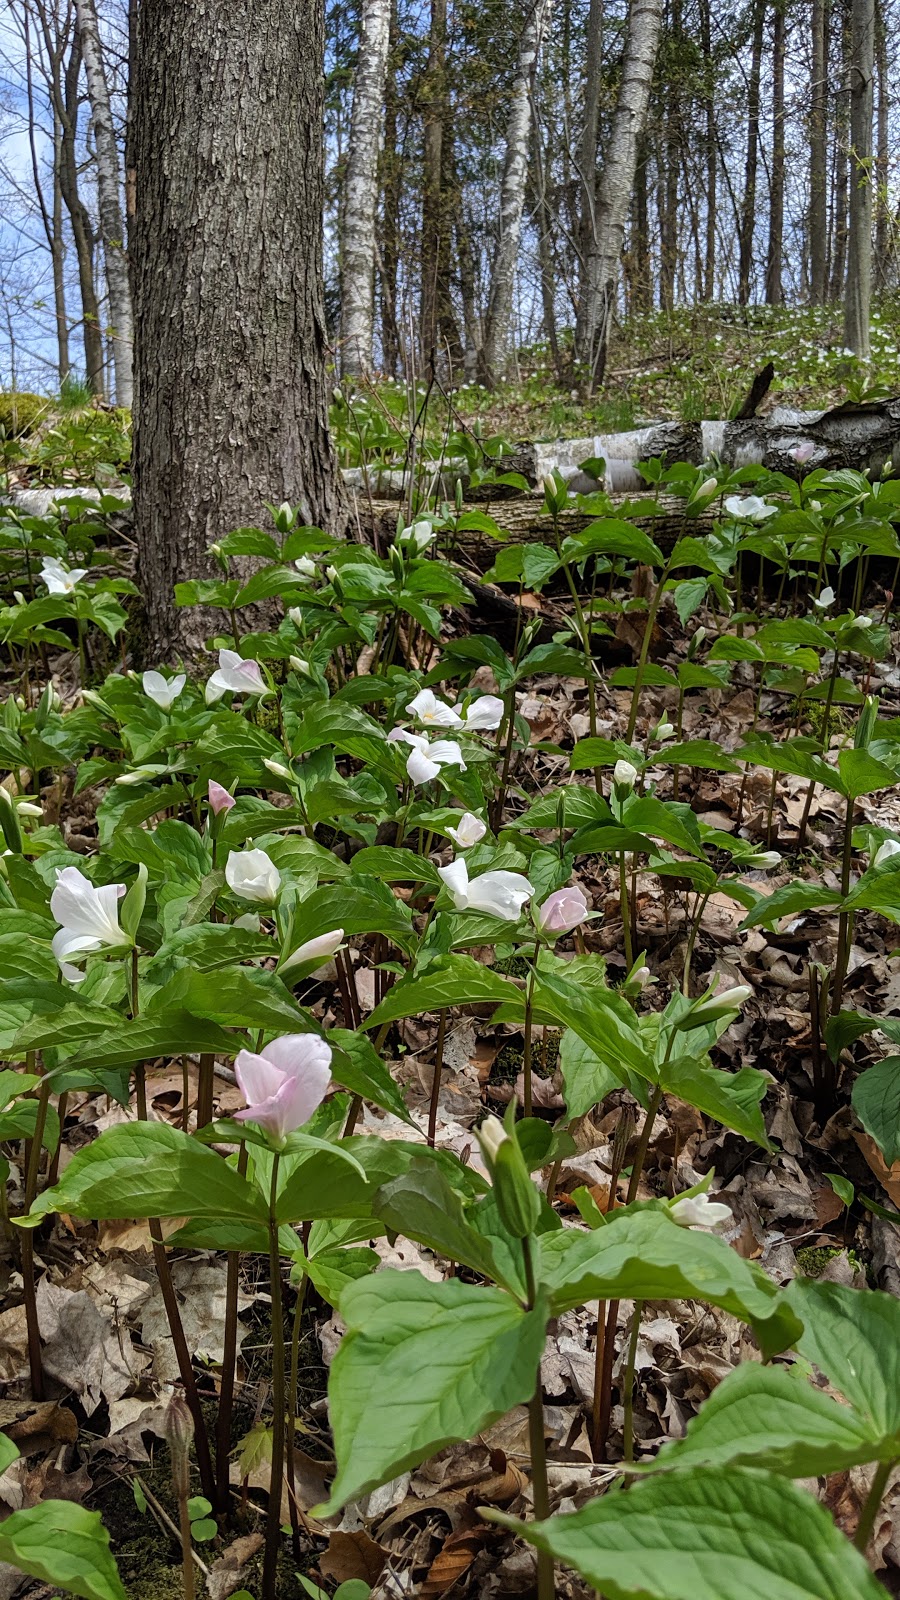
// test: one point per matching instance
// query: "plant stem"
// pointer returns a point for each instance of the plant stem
(273, 1523)
(873, 1501)
(540, 1488)
(628, 1383)
(692, 940)
(845, 920)
(500, 798)
(436, 1079)
(229, 1362)
(26, 1237)
(645, 651)
(293, 1383)
(526, 1053)
(205, 1083)
(643, 1145)
(625, 909)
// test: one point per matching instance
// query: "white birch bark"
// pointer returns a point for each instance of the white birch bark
(361, 189)
(616, 183)
(109, 204)
(512, 192)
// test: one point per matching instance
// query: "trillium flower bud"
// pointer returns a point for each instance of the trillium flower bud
(764, 860)
(624, 775)
(517, 1198)
(219, 798)
(318, 950)
(298, 664)
(278, 769)
(886, 850)
(26, 809)
(664, 730)
(862, 622)
(716, 1006)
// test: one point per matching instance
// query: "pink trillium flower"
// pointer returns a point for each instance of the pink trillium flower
(803, 452)
(284, 1084)
(219, 798)
(562, 911)
(234, 675)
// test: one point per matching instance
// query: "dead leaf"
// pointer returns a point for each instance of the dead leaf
(353, 1555)
(82, 1350)
(228, 1573)
(35, 1428)
(456, 1557)
(888, 1177)
(200, 1286)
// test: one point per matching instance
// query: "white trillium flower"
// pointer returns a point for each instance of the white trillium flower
(427, 708)
(750, 508)
(698, 1211)
(862, 622)
(251, 875)
(763, 860)
(418, 537)
(468, 831)
(485, 714)
(425, 760)
(887, 849)
(163, 691)
(25, 808)
(320, 949)
(59, 578)
(825, 599)
(624, 775)
(499, 894)
(305, 567)
(664, 730)
(234, 675)
(88, 918)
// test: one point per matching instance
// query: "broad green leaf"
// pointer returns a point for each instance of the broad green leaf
(395, 866)
(208, 945)
(645, 1255)
(358, 905)
(853, 1336)
(775, 1418)
(733, 1098)
(862, 774)
(176, 1033)
(453, 980)
(787, 901)
(423, 1365)
(62, 1544)
(703, 753)
(421, 1204)
(148, 1169)
(602, 1018)
(8, 1452)
(708, 1534)
(586, 1079)
(613, 537)
(247, 998)
(323, 1186)
(358, 1067)
(876, 1101)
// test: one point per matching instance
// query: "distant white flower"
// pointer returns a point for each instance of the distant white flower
(163, 691)
(88, 918)
(624, 775)
(723, 1004)
(763, 860)
(418, 537)
(298, 664)
(698, 1211)
(251, 875)
(234, 676)
(825, 599)
(664, 730)
(59, 578)
(278, 769)
(25, 808)
(427, 708)
(803, 452)
(749, 508)
(500, 894)
(887, 849)
(485, 714)
(861, 622)
(469, 830)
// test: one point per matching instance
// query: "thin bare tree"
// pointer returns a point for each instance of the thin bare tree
(361, 189)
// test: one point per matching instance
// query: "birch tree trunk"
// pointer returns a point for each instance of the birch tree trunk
(858, 296)
(512, 194)
(361, 189)
(231, 393)
(590, 131)
(818, 157)
(774, 286)
(109, 203)
(617, 181)
(434, 93)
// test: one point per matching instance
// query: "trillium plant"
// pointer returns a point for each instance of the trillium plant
(359, 825)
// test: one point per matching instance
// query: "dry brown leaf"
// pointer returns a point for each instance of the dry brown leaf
(353, 1555)
(888, 1177)
(450, 1563)
(35, 1428)
(200, 1286)
(228, 1572)
(82, 1350)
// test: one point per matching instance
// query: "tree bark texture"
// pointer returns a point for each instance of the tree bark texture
(858, 295)
(748, 209)
(616, 183)
(109, 202)
(231, 403)
(774, 289)
(512, 193)
(361, 189)
(818, 156)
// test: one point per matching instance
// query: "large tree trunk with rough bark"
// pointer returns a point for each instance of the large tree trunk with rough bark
(361, 189)
(109, 202)
(512, 194)
(616, 184)
(231, 402)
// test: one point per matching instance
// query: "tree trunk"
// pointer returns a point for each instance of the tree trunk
(818, 158)
(361, 189)
(668, 243)
(391, 182)
(640, 249)
(883, 229)
(51, 216)
(231, 403)
(712, 152)
(590, 132)
(109, 204)
(434, 91)
(841, 163)
(617, 182)
(748, 210)
(543, 220)
(774, 289)
(512, 195)
(82, 230)
(858, 297)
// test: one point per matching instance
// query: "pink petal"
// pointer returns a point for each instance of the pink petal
(258, 1077)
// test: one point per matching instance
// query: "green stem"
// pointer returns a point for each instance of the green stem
(645, 651)
(229, 1362)
(845, 920)
(273, 1523)
(643, 1144)
(436, 1079)
(873, 1501)
(625, 908)
(692, 940)
(26, 1237)
(293, 1385)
